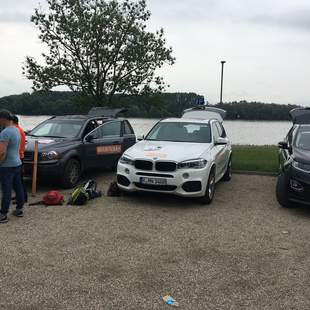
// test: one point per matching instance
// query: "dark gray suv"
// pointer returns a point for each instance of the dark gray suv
(293, 185)
(70, 145)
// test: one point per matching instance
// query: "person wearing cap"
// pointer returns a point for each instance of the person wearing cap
(22, 147)
(10, 167)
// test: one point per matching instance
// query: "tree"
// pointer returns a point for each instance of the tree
(99, 48)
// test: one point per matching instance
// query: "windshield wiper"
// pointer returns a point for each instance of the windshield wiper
(32, 135)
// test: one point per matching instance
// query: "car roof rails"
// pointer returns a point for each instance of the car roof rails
(300, 116)
(106, 112)
(205, 113)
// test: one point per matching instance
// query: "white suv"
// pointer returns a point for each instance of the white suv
(183, 156)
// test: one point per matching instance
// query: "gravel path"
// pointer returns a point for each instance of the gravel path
(242, 252)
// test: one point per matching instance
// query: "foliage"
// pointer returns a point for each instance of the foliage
(99, 48)
(244, 110)
(255, 158)
(151, 106)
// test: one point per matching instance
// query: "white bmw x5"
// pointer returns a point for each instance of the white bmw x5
(183, 156)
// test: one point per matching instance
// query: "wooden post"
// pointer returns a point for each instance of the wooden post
(35, 168)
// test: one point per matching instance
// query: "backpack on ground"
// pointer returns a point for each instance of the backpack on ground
(85, 192)
(79, 197)
(91, 189)
(52, 198)
(114, 190)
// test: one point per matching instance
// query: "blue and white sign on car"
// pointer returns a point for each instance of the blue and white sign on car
(200, 100)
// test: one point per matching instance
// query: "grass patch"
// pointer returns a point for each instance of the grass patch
(255, 158)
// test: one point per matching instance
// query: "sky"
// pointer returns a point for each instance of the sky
(266, 44)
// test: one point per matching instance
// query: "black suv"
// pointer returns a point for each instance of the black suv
(293, 185)
(70, 145)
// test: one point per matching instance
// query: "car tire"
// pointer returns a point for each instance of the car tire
(282, 192)
(72, 173)
(228, 174)
(210, 189)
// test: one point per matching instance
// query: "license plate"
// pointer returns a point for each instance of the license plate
(153, 181)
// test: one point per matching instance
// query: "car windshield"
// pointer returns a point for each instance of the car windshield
(57, 129)
(180, 132)
(302, 140)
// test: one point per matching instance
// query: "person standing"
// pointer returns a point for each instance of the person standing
(10, 167)
(22, 147)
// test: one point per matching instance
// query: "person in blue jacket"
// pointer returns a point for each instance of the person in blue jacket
(10, 167)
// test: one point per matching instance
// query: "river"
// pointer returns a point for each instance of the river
(240, 132)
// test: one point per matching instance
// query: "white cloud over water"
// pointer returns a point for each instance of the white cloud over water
(265, 42)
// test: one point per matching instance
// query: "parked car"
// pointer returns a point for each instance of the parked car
(293, 186)
(72, 144)
(183, 156)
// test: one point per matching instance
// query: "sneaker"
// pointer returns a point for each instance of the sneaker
(18, 213)
(3, 219)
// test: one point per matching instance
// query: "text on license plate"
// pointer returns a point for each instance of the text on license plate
(153, 181)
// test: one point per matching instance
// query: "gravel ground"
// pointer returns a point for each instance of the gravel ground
(242, 252)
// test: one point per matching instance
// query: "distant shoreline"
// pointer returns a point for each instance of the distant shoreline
(156, 106)
(156, 118)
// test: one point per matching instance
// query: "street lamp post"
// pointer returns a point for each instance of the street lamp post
(222, 81)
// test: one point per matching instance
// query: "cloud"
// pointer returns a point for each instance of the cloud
(14, 17)
(283, 13)
(265, 43)
(299, 19)
(17, 11)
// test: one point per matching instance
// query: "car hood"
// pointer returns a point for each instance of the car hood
(301, 156)
(172, 151)
(45, 143)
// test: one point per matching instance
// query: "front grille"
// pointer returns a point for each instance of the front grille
(29, 156)
(144, 165)
(192, 186)
(166, 188)
(157, 175)
(166, 166)
(123, 180)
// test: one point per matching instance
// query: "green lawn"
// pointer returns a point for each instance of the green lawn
(255, 158)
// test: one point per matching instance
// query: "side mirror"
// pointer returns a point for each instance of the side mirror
(89, 138)
(283, 145)
(140, 138)
(220, 141)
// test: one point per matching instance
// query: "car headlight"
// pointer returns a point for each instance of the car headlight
(301, 166)
(125, 159)
(52, 155)
(193, 164)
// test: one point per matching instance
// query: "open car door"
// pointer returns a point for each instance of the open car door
(300, 116)
(205, 112)
(106, 112)
(104, 145)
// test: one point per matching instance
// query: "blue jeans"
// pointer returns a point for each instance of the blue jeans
(10, 178)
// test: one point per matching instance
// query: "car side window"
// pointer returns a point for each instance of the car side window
(215, 132)
(112, 129)
(221, 130)
(127, 128)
